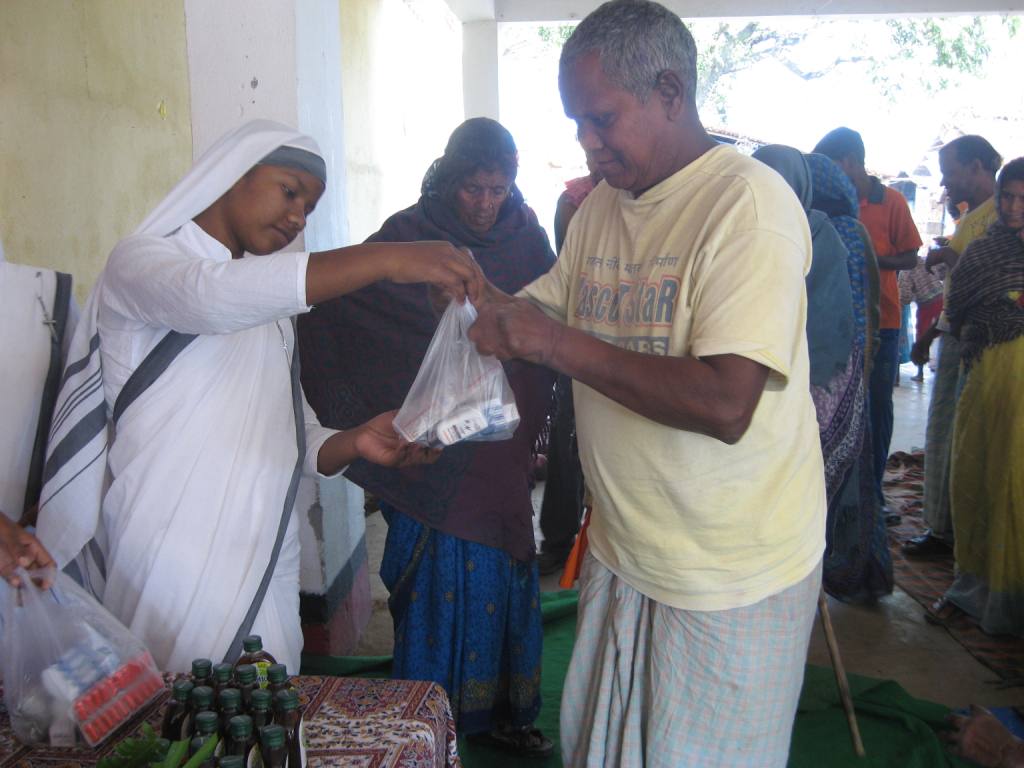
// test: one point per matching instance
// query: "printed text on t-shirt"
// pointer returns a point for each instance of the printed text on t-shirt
(646, 302)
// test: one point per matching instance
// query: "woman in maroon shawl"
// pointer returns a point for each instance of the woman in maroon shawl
(459, 559)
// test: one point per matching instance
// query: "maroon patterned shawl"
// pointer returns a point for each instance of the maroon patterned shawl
(361, 353)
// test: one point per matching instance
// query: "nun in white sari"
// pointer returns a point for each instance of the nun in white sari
(174, 502)
(199, 465)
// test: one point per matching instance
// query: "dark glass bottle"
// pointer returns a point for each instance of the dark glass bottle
(176, 714)
(206, 729)
(253, 653)
(229, 704)
(201, 672)
(245, 681)
(241, 740)
(222, 677)
(200, 700)
(230, 761)
(273, 747)
(288, 716)
(259, 709)
(277, 678)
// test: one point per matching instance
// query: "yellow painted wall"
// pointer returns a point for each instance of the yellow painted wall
(94, 126)
(402, 97)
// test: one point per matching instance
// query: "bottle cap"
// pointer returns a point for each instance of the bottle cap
(229, 698)
(272, 737)
(222, 673)
(277, 673)
(201, 697)
(260, 699)
(286, 700)
(181, 689)
(206, 723)
(201, 667)
(252, 643)
(245, 673)
(240, 727)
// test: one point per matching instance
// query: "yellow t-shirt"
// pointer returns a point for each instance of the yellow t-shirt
(710, 261)
(972, 225)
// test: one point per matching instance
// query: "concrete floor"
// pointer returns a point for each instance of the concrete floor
(888, 640)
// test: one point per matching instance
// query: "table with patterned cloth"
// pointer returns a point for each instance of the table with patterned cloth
(349, 722)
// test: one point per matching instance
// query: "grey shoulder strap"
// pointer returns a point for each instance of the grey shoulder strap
(235, 649)
(93, 569)
(89, 425)
(51, 387)
(149, 370)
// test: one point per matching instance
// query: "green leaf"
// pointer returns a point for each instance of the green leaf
(176, 755)
(201, 755)
(137, 752)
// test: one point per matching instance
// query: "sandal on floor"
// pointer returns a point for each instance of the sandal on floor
(525, 742)
(926, 546)
(942, 612)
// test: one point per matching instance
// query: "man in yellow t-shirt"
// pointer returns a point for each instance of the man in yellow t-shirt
(968, 165)
(678, 307)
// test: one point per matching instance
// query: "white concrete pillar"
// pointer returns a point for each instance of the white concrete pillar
(281, 59)
(320, 112)
(277, 60)
(480, 69)
(242, 65)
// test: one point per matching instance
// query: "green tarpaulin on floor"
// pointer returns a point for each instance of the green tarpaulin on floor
(898, 730)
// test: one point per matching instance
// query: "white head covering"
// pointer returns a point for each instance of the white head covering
(217, 170)
(74, 478)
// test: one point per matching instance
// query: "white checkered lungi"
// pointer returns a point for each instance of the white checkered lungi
(650, 685)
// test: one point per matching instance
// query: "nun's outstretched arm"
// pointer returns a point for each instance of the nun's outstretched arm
(334, 273)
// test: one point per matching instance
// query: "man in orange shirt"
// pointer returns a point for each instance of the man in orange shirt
(886, 215)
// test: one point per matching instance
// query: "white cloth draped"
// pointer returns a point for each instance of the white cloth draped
(26, 303)
(186, 497)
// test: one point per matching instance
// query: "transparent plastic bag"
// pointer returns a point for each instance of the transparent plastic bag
(68, 664)
(458, 393)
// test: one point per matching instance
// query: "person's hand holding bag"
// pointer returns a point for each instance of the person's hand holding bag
(458, 394)
(20, 549)
(510, 328)
(378, 443)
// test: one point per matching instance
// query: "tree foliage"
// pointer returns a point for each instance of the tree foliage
(555, 35)
(897, 52)
(893, 53)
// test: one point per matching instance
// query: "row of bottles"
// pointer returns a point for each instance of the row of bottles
(251, 719)
(253, 655)
(273, 751)
(240, 743)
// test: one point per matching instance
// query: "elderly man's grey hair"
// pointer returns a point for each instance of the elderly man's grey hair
(635, 40)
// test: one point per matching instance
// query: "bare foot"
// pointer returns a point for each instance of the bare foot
(980, 737)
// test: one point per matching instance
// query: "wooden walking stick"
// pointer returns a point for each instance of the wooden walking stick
(840, 672)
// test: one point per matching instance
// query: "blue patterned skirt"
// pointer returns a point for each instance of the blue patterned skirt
(466, 616)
